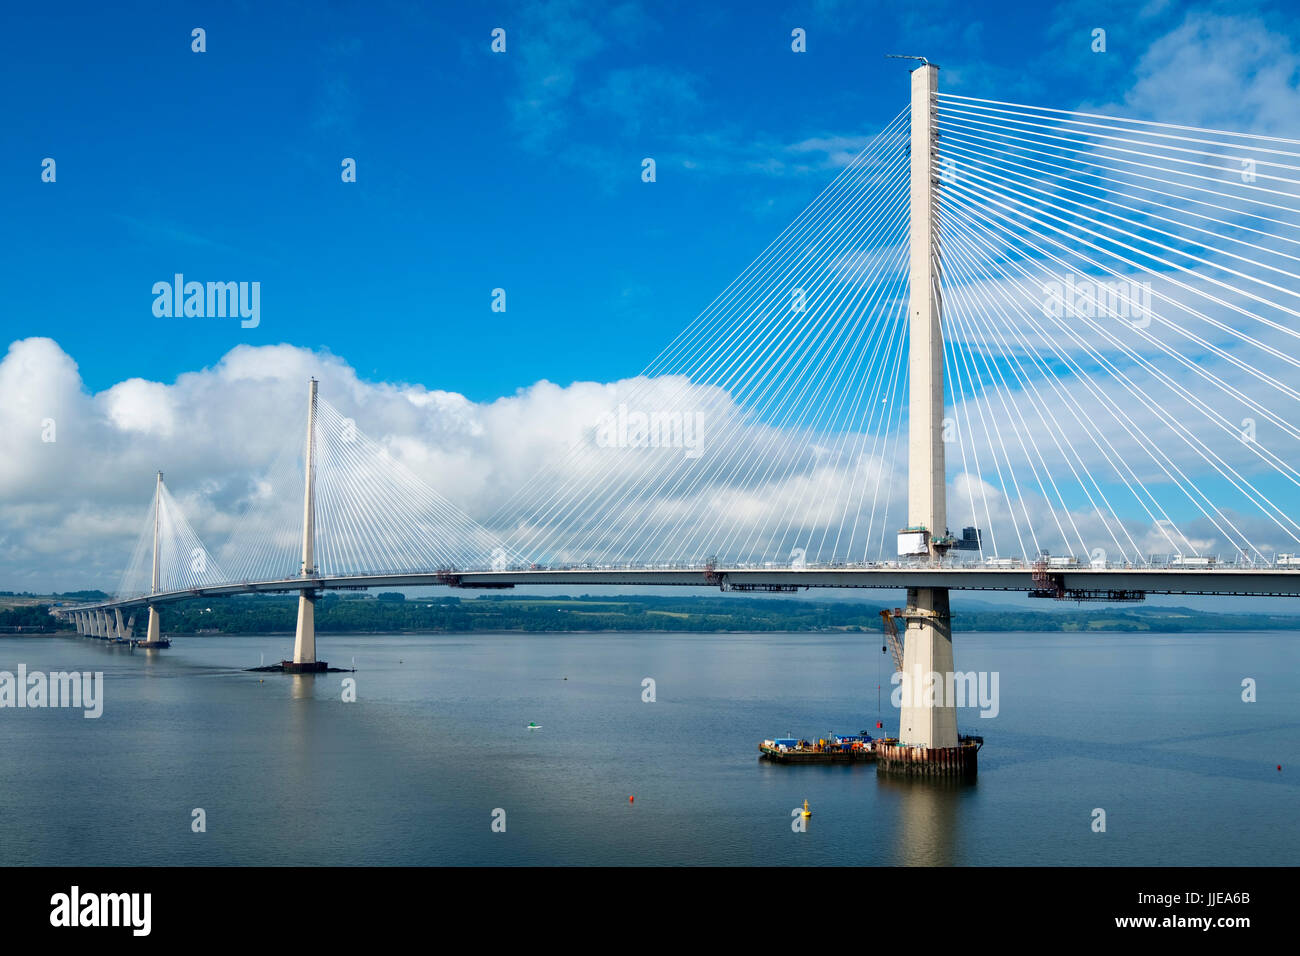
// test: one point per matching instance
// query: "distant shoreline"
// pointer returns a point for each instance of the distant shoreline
(393, 613)
(544, 632)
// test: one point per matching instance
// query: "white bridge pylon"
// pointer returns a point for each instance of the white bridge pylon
(365, 512)
(304, 640)
(924, 721)
(168, 557)
(342, 507)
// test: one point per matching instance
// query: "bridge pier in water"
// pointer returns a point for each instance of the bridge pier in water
(927, 720)
(927, 733)
(928, 744)
(304, 638)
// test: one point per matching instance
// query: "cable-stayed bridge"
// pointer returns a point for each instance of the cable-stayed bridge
(1075, 334)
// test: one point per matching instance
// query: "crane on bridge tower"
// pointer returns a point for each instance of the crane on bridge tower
(891, 635)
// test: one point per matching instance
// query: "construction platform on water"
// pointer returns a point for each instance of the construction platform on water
(837, 748)
(887, 753)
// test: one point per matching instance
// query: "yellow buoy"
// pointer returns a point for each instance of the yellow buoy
(806, 811)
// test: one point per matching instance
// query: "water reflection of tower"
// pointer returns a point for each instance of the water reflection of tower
(299, 765)
(301, 687)
(301, 718)
(927, 818)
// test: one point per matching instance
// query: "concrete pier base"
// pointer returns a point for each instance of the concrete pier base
(927, 720)
(960, 762)
(306, 667)
(928, 744)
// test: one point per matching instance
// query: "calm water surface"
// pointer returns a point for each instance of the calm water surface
(1151, 728)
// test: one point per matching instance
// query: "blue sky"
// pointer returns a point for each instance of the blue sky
(475, 170)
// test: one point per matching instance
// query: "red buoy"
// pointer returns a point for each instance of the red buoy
(631, 798)
(1279, 766)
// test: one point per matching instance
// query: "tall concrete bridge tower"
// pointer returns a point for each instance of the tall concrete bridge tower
(153, 634)
(927, 733)
(304, 642)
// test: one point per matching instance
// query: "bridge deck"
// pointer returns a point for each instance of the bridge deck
(1263, 582)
